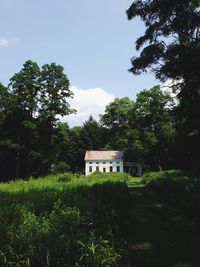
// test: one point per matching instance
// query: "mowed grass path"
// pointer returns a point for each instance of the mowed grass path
(158, 235)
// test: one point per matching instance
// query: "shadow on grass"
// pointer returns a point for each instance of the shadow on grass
(159, 236)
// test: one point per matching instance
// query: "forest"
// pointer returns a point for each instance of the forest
(34, 142)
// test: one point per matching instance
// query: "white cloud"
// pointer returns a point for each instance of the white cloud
(87, 102)
(6, 41)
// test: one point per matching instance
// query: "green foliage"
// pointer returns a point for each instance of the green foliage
(25, 87)
(117, 113)
(28, 114)
(173, 57)
(145, 129)
(91, 135)
(62, 220)
(152, 116)
(151, 176)
(54, 91)
(170, 48)
(97, 252)
(178, 189)
(116, 122)
(60, 167)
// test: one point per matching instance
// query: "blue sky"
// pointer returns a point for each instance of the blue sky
(92, 40)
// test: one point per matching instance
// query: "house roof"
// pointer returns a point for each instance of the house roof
(104, 155)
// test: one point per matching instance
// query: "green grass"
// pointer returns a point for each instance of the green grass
(158, 234)
(135, 182)
(63, 220)
(72, 220)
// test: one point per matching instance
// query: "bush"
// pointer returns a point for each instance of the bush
(171, 174)
(60, 167)
(178, 189)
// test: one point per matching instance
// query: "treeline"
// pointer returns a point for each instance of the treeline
(29, 107)
(34, 142)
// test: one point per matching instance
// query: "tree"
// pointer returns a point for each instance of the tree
(53, 103)
(4, 98)
(115, 120)
(8, 147)
(176, 57)
(54, 92)
(29, 111)
(24, 89)
(61, 146)
(116, 113)
(91, 135)
(25, 86)
(76, 150)
(170, 48)
(152, 117)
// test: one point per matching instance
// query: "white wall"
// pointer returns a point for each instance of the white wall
(103, 164)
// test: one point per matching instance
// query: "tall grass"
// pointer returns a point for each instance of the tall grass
(180, 190)
(63, 220)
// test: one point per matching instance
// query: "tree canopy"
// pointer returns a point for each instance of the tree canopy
(170, 45)
(170, 48)
(29, 110)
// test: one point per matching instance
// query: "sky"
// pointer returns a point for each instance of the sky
(92, 39)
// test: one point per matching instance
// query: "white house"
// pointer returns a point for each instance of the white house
(103, 161)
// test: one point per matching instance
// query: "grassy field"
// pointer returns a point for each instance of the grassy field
(63, 220)
(159, 234)
(103, 220)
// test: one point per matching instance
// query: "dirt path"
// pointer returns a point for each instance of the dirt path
(158, 235)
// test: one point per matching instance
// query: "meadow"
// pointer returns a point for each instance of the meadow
(63, 220)
(104, 220)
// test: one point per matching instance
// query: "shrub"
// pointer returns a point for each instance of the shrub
(179, 190)
(60, 167)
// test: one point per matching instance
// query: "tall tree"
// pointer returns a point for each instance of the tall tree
(91, 134)
(29, 111)
(171, 39)
(115, 120)
(25, 86)
(4, 98)
(8, 146)
(170, 48)
(54, 94)
(152, 115)
(61, 147)
(77, 149)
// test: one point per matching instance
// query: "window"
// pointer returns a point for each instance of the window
(118, 168)
(111, 162)
(97, 168)
(90, 168)
(117, 162)
(97, 162)
(90, 162)
(104, 169)
(111, 169)
(104, 162)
